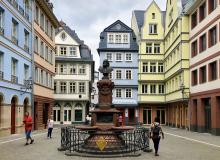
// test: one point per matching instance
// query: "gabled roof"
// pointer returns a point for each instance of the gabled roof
(139, 14)
(112, 28)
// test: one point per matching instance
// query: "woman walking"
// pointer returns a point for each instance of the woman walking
(155, 132)
(50, 123)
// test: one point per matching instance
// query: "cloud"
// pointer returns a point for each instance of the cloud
(89, 17)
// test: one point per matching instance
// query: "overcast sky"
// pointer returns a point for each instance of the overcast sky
(89, 17)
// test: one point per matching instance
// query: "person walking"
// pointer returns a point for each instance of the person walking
(155, 132)
(50, 123)
(28, 128)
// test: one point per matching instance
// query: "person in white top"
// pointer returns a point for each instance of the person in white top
(50, 127)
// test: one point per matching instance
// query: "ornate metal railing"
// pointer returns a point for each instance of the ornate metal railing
(74, 140)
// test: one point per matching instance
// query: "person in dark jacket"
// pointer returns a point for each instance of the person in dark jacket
(155, 132)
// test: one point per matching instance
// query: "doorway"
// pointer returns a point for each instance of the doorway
(207, 103)
(161, 115)
(13, 111)
(45, 113)
(131, 115)
(147, 116)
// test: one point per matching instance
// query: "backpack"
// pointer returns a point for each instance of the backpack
(156, 130)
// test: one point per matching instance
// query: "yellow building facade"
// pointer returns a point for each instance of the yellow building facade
(163, 63)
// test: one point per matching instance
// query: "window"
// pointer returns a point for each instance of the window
(78, 115)
(42, 20)
(63, 69)
(110, 38)
(46, 27)
(152, 67)
(36, 75)
(128, 57)
(128, 93)
(26, 40)
(202, 11)
(144, 88)
(118, 93)
(82, 69)
(203, 74)
(1, 63)
(72, 69)
(212, 36)
(14, 67)
(37, 14)
(72, 88)
(118, 74)
(128, 74)
(36, 44)
(110, 75)
(161, 89)
(62, 87)
(118, 38)
(212, 5)
(81, 87)
(193, 20)
(41, 77)
(1, 19)
(118, 57)
(153, 15)
(109, 56)
(63, 51)
(202, 40)
(67, 114)
(125, 38)
(26, 71)
(156, 48)
(160, 68)
(194, 78)
(42, 49)
(14, 31)
(26, 6)
(194, 49)
(72, 51)
(152, 29)
(56, 115)
(50, 57)
(46, 53)
(213, 71)
(55, 87)
(145, 67)
(153, 89)
(47, 80)
(56, 68)
(148, 48)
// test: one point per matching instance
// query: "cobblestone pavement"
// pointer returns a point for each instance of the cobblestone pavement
(177, 145)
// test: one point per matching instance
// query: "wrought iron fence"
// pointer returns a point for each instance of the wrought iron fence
(74, 140)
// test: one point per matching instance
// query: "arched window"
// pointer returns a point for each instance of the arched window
(56, 113)
(78, 112)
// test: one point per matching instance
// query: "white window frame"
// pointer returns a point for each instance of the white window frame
(63, 87)
(125, 38)
(145, 68)
(153, 89)
(152, 29)
(72, 51)
(72, 67)
(128, 77)
(72, 87)
(110, 38)
(1, 61)
(128, 57)
(118, 72)
(160, 67)
(117, 56)
(14, 65)
(144, 88)
(26, 72)
(157, 48)
(82, 69)
(63, 51)
(161, 89)
(149, 48)
(153, 67)
(128, 93)
(118, 93)
(1, 18)
(82, 87)
(109, 56)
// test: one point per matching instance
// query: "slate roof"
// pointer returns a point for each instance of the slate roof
(139, 14)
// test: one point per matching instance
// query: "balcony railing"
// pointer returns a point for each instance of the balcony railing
(26, 48)
(14, 40)
(1, 31)
(14, 79)
(1, 75)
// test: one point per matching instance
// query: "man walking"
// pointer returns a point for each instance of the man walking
(155, 132)
(28, 128)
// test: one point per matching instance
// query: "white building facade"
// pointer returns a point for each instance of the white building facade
(74, 75)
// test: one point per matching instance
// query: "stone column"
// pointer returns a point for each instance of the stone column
(215, 112)
(200, 116)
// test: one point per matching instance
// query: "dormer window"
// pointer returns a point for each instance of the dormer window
(72, 51)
